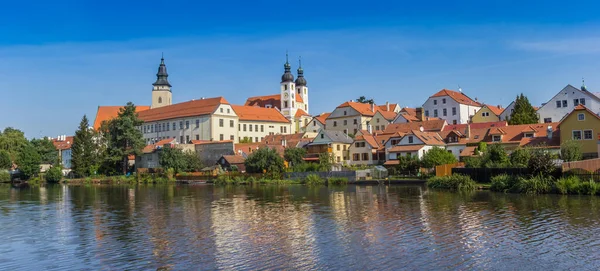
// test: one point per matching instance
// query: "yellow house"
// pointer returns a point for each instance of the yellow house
(581, 125)
(487, 113)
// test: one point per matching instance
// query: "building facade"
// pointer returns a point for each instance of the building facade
(487, 113)
(351, 117)
(582, 126)
(452, 106)
(565, 101)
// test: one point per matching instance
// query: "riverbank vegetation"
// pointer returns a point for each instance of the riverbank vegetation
(540, 184)
(455, 182)
(311, 179)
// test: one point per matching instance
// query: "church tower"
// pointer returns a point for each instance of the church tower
(161, 91)
(301, 88)
(288, 93)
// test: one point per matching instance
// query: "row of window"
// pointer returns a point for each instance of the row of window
(587, 135)
(444, 112)
(167, 126)
(564, 103)
(355, 121)
(187, 138)
(443, 101)
(357, 156)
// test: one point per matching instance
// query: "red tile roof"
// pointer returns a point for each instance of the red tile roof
(255, 113)
(206, 142)
(406, 148)
(429, 138)
(269, 100)
(384, 107)
(106, 113)
(370, 139)
(234, 159)
(409, 111)
(321, 118)
(300, 113)
(497, 110)
(150, 148)
(459, 97)
(63, 144)
(388, 115)
(362, 108)
(462, 127)
(429, 125)
(185, 109)
(579, 107)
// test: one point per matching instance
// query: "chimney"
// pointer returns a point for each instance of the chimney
(468, 131)
(549, 132)
(500, 106)
(370, 129)
(387, 106)
(373, 107)
(419, 112)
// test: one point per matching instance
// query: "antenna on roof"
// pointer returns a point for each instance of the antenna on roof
(459, 88)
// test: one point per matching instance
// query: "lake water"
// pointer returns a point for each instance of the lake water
(205, 227)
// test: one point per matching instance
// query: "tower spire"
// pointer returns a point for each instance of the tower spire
(300, 81)
(583, 87)
(287, 74)
(162, 75)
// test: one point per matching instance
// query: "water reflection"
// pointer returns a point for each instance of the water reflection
(293, 227)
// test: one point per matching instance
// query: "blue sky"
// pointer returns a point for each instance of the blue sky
(59, 60)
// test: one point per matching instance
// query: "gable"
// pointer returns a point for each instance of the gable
(569, 89)
(405, 140)
(322, 137)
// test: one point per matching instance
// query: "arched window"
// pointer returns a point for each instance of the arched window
(159, 100)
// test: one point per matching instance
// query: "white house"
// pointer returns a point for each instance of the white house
(452, 106)
(415, 143)
(316, 123)
(565, 101)
(350, 117)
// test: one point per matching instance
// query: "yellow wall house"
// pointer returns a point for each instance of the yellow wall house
(581, 125)
(488, 113)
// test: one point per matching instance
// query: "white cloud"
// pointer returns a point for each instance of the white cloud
(568, 46)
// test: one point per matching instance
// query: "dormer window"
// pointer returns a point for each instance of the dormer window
(528, 135)
(496, 138)
(410, 139)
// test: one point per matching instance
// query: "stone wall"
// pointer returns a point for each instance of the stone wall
(210, 153)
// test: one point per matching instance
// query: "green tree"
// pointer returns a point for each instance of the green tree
(520, 157)
(482, 147)
(192, 161)
(246, 140)
(294, 155)
(5, 161)
(541, 163)
(124, 138)
(523, 112)
(570, 150)
(408, 164)
(29, 161)
(46, 149)
(364, 100)
(264, 160)
(54, 175)
(496, 157)
(437, 156)
(13, 141)
(326, 160)
(83, 150)
(172, 158)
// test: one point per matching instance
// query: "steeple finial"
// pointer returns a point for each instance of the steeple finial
(300, 62)
(287, 74)
(583, 87)
(161, 76)
(300, 81)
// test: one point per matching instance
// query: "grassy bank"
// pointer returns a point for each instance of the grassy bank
(544, 185)
(454, 182)
(309, 180)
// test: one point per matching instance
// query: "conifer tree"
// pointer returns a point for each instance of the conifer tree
(83, 148)
(124, 137)
(523, 112)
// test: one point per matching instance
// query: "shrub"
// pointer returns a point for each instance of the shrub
(589, 188)
(338, 180)
(541, 163)
(170, 174)
(437, 156)
(568, 185)
(570, 150)
(501, 183)
(314, 179)
(538, 184)
(222, 180)
(54, 175)
(453, 182)
(5, 162)
(4, 176)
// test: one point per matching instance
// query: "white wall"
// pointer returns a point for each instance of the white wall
(264, 128)
(462, 111)
(569, 93)
(456, 149)
(360, 150)
(314, 126)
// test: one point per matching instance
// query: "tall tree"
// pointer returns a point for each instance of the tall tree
(29, 161)
(294, 155)
(523, 112)
(5, 161)
(437, 156)
(570, 150)
(13, 141)
(124, 137)
(47, 150)
(264, 160)
(82, 150)
(364, 100)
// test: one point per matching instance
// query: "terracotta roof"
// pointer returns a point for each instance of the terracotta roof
(234, 159)
(497, 131)
(362, 108)
(300, 113)
(370, 139)
(185, 109)
(271, 100)
(459, 97)
(321, 118)
(63, 144)
(292, 140)
(409, 111)
(497, 110)
(410, 118)
(463, 127)
(383, 138)
(388, 115)
(150, 148)
(406, 148)
(429, 125)
(429, 138)
(254, 113)
(468, 151)
(391, 162)
(106, 113)
(514, 133)
(299, 99)
(384, 107)
(248, 148)
(552, 143)
(475, 136)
